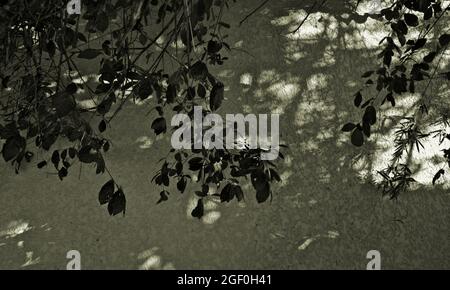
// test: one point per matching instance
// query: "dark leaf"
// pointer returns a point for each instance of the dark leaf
(201, 91)
(348, 127)
(171, 94)
(117, 204)
(438, 175)
(55, 159)
(42, 164)
(411, 19)
(237, 191)
(71, 89)
(358, 99)
(195, 163)
(181, 184)
(370, 116)
(102, 126)
(159, 126)
(216, 97)
(227, 194)
(12, 147)
(263, 194)
(62, 173)
(198, 211)
(163, 197)
(357, 137)
(106, 192)
(444, 39)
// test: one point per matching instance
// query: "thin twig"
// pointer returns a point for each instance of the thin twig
(309, 13)
(253, 12)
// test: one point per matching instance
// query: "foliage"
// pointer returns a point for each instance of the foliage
(39, 105)
(411, 58)
(131, 41)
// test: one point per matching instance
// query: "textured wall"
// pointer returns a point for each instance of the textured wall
(325, 214)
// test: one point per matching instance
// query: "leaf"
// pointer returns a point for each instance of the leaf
(198, 211)
(444, 39)
(348, 127)
(201, 91)
(263, 194)
(226, 195)
(51, 48)
(419, 43)
(171, 94)
(438, 175)
(390, 98)
(199, 70)
(163, 197)
(159, 126)
(214, 46)
(411, 19)
(87, 155)
(89, 53)
(118, 203)
(237, 191)
(102, 126)
(357, 137)
(62, 173)
(366, 129)
(195, 163)
(429, 57)
(72, 153)
(56, 159)
(358, 99)
(72, 89)
(101, 21)
(42, 164)
(106, 192)
(370, 116)
(12, 147)
(274, 175)
(181, 184)
(216, 97)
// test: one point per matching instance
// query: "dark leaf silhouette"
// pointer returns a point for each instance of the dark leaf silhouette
(42, 164)
(227, 194)
(117, 204)
(358, 99)
(348, 127)
(181, 184)
(12, 147)
(438, 175)
(163, 196)
(357, 137)
(198, 211)
(159, 126)
(444, 39)
(106, 192)
(216, 97)
(411, 19)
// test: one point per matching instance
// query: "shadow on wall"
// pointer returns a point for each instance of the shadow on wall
(327, 212)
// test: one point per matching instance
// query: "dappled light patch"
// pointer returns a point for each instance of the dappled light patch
(14, 229)
(150, 260)
(329, 235)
